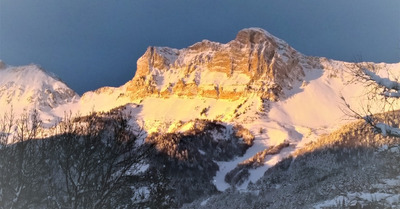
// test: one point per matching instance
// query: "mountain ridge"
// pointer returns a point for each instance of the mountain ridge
(255, 80)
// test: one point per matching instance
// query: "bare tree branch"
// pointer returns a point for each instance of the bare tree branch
(382, 90)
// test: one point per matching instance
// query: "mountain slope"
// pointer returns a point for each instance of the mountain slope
(349, 168)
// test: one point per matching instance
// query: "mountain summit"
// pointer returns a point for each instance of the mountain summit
(255, 62)
(30, 87)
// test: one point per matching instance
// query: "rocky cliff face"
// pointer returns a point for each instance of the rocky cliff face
(254, 63)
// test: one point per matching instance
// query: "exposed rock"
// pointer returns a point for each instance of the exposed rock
(2, 65)
(254, 63)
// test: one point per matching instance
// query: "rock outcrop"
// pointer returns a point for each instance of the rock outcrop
(254, 63)
(2, 65)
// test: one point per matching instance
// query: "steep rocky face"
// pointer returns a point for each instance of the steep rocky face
(255, 62)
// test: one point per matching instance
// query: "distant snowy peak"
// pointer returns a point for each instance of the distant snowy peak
(255, 62)
(30, 87)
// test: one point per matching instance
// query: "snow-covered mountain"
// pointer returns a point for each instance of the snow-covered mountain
(256, 80)
(25, 88)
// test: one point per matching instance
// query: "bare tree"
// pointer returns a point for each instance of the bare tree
(21, 167)
(6, 125)
(97, 158)
(88, 162)
(379, 90)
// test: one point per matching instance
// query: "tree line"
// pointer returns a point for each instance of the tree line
(85, 162)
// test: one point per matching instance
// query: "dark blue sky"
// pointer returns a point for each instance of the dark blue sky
(94, 43)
